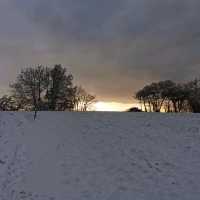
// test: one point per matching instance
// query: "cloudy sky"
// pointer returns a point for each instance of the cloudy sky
(113, 47)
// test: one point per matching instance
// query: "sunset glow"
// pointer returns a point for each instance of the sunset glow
(112, 106)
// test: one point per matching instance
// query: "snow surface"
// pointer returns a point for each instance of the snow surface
(99, 156)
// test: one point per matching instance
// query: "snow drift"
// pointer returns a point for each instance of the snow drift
(99, 156)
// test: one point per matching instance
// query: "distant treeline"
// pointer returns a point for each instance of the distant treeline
(45, 89)
(169, 96)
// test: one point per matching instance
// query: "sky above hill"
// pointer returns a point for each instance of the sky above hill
(112, 47)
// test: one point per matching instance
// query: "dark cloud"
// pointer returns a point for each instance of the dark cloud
(118, 45)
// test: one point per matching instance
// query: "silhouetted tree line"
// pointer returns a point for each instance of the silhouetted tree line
(46, 89)
(169, 96)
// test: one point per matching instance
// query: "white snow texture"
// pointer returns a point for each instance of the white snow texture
(99, 156)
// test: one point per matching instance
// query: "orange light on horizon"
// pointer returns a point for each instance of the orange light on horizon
(113, 106)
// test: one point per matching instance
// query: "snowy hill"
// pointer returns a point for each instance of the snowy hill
(99, 156)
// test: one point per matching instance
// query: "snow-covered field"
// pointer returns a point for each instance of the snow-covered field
(99, 156)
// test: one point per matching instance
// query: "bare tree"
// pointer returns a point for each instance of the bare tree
(163, 94)
(29, 87)
(151, 96)
(83, 100)
(143, 99)
(193, 89)
(44, 88)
